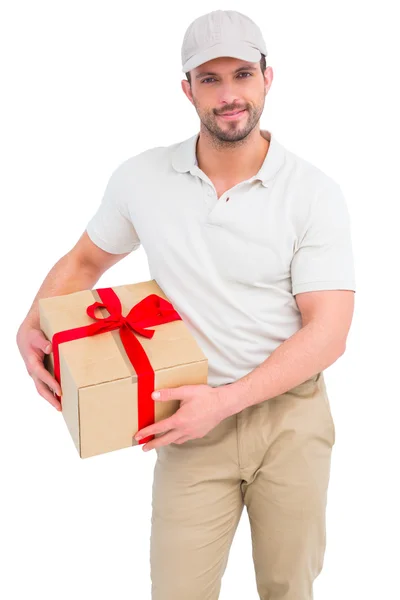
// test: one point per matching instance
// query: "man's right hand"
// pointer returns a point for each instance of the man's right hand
(33, 345)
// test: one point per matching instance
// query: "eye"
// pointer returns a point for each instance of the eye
(242, 73)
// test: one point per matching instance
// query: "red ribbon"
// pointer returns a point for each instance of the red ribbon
(152, 310)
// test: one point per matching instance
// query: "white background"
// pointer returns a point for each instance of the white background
(86, 85)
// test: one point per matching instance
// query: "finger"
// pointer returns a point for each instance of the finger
(158, 427)
(182, 440)
(40, 372)
(47, 394)
(168, 438)
(40, 341)
(177, 393)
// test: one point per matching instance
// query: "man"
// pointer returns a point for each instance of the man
(252, 246)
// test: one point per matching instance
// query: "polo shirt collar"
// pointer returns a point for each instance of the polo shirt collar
(184, 157)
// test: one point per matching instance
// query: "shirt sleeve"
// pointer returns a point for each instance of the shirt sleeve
(111, 227)
(324, 258)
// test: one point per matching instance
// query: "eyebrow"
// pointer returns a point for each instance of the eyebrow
(245, 68)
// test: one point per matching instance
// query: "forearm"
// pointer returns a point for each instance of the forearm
(66, 276)
(307, 352)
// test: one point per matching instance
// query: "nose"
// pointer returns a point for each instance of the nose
(229, 97)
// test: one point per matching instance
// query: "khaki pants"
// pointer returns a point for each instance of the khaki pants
(272, 457)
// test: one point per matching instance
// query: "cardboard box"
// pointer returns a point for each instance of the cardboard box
(98, 381)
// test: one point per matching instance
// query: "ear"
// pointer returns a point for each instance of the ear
(187, 90)
(268, 78)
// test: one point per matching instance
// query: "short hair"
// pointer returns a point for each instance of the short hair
(263, 66)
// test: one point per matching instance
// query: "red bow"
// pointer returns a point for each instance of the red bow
(152, 310)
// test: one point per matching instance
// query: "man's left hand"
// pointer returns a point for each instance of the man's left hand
(202, 408)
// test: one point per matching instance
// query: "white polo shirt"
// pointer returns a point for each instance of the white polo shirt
(230, 266)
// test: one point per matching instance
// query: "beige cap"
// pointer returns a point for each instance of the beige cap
(221, 33)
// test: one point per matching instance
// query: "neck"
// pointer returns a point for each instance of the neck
(231, 160)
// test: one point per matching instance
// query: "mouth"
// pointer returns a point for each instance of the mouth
(231, 116)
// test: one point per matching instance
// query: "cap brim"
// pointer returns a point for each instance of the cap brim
(234, 50)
